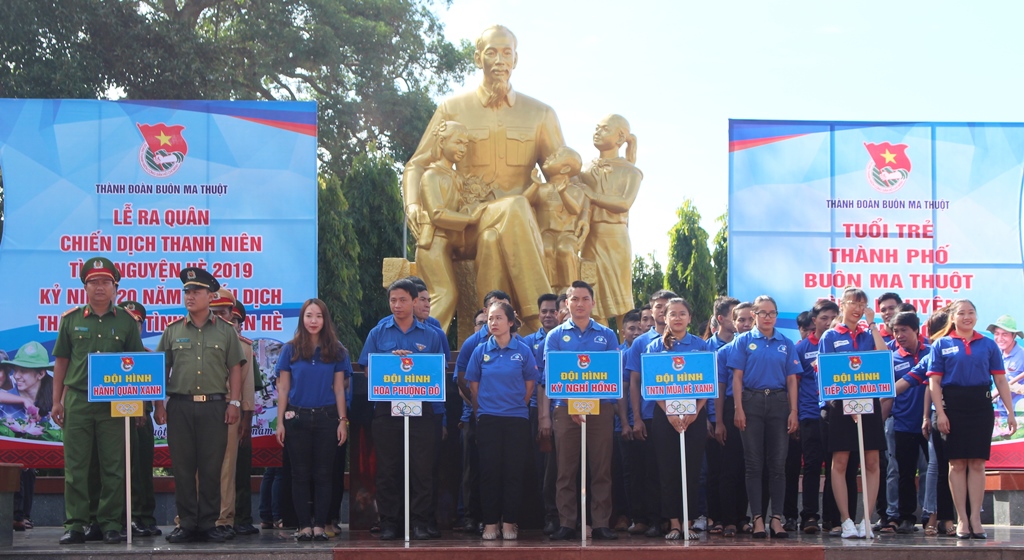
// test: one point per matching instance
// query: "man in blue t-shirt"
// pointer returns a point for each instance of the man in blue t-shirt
(543, 448)
(581, 334)
(401, 334)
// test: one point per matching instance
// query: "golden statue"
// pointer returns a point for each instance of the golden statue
(612, 183)
(559, 206)
(509, 135)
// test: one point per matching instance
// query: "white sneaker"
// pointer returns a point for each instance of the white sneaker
(701, 524)
(849, 529)
(862, 528)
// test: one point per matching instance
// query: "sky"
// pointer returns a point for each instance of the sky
(679, 70)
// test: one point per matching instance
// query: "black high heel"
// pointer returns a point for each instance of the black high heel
(777, 534)
(758, 534)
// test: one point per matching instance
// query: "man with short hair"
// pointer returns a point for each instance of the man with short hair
(98, 326)
(582, 334)
(888, 493)
(204, 381)
(888, 305)
(724, 333)
(622, 479)
(243, 466)
(546, 467)
(732, 487)
(646, 318)
(401, 334)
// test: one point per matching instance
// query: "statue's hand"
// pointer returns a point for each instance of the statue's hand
(582, 231)
(416, 217)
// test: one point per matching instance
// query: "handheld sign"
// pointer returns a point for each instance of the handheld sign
(856, 375)
(665, 376)
(127, 376)
(584, 375)
(416, 377)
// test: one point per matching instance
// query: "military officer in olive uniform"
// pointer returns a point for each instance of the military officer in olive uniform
(98, 326)
(204, 359)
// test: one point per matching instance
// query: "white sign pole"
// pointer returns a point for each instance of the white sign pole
(863, 461)
(685, 531)
(128, 477)
(583, 481)
(407, 513)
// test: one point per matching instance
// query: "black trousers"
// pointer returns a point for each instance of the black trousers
(338, 489)
(732, 485)
(311, 440)
(943, 495)
(713, 459)
(620, 477)
(813, 449)
(196, 438)
(243, 483)
(909, 447)
(792, 472)
(388, 439)
(546, 468)
(645, 491)
(471, 470)
(504, 444)
(670, 468)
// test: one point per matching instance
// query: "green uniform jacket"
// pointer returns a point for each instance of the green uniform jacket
(83, 332)
(200, 357)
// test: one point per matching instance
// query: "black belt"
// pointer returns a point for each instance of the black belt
(763, 391)
(196, 398)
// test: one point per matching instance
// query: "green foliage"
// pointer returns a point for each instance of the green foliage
(337, 258)
(720, 255)
(690, 273)
(647, 279)
(375, 210)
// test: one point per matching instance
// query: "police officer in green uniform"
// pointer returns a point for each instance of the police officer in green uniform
(98, 326)
(143, 500)
(204, 358)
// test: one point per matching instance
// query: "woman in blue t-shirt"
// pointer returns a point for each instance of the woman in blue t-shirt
(665, 429)
(502, 373)
(963, 365)
(765, 387)
(313, 370)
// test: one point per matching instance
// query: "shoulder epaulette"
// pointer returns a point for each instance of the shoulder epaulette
(70, 311)
(182, 318)
(246, 340)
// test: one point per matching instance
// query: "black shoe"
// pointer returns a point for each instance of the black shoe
(226, 532)
(388, 532)
(181, 535)
(810, 526)
(213, 535)
(790, 525)
(563, 534)
(419, 533)
(154, 531)
(112, 537)
(907, 527)
(140, 530)
(433, 532)
(468, 525)
(246, 530)
(550, 526)
(603, 534)
(653, 531)
(94, 534)
(72, 536)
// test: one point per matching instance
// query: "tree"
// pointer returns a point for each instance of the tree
(690, 273)
(647, 279)
(338, 252)
(720, 256)
(376, 213)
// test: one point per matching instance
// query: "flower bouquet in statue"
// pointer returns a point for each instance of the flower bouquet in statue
(474, 193)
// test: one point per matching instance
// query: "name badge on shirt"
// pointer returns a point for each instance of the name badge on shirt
(904, 365)
(839, 343)
(810, 355)
(950, 350)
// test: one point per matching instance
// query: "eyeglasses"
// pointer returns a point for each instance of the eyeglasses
(481, 323)
(767, 314)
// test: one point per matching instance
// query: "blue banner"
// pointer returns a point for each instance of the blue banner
(584, 375)
(416, 377)
(127, 376)
(156, 186)
(856, 375)
(666, 376)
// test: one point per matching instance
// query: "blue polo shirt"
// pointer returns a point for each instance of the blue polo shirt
(633, 364)
(567, 337)
(387, 337)
(724, 373)
(624, 348)
(502, 374)
(841, 339)
(713, 343)
(312, 381)
(535, 341)
(908, 406)
(439, 407)
(808, 401)
(765, 361)
(966, 363)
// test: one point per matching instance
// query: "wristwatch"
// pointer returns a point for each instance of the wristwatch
(236, 404)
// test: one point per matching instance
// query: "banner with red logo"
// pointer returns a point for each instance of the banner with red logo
(929, 211)
(154, 186)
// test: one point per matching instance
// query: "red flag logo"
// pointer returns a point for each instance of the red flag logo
(889, 167)
(855, 362)
(678, 363)
(163, 148)
(583, 360)
(127, 363)
(406, 364)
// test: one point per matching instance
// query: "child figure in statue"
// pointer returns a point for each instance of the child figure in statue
(559, 206)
